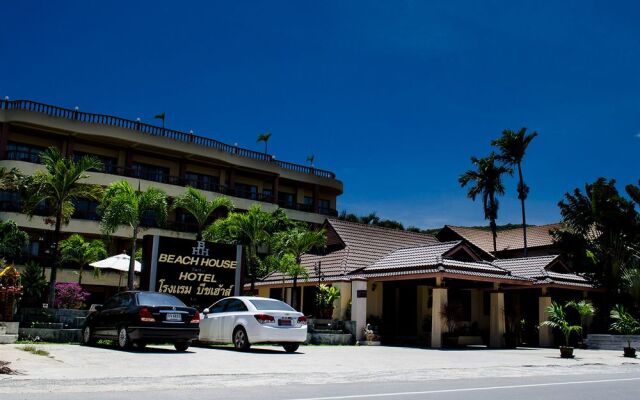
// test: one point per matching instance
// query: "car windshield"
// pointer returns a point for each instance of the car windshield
(158, 299)
(274, 305)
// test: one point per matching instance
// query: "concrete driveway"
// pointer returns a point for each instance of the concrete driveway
(72, 368)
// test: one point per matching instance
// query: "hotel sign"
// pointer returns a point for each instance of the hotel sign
(197, 272)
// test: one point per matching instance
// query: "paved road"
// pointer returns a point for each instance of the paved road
(584, 387)
(75, 372)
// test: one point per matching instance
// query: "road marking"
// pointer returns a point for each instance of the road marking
(475, 389)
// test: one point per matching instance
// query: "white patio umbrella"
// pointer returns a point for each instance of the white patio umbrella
(118, 262)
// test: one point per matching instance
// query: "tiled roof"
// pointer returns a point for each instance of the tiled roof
(509, 239)
(414, 256)
(538, 268)
(364, 244)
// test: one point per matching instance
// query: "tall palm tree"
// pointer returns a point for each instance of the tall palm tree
(123, 205)
(251, 229)
(265, 138)
(196, 204)
(512, 147)
(487, 182)
(82, 252)
(58, 186)
(297, 241)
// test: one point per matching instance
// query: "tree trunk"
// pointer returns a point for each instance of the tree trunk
(132, 262)
(54, 257)
(522, 195)
(80, 274)
(252, 267)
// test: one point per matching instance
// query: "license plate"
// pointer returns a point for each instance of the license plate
(284, 322)
(174, 317)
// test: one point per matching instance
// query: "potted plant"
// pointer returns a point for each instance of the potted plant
(558, 320)
(326, 296)
(586, 310)
(625, 324)
(452, 313)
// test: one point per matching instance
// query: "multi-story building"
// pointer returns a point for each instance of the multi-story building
(148, 155)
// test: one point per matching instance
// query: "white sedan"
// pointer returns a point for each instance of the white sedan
(244, 321)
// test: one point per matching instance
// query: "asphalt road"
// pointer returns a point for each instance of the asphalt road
(584, 387)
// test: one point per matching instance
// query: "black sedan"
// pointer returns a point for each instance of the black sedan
(143, 317)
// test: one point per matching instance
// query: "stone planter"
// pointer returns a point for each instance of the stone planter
(566, 352)
(369, 343)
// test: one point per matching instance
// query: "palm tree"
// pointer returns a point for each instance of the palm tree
(58, 186)
(558, 320)
(297, 241)
(487, 180)
(265, 138)
(512, 147)
(77, 250)
(9, 178)
(586, 310)
(251, 229)
(122, 205)
(196, 204)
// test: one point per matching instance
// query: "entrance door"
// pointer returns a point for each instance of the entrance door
(400, 312)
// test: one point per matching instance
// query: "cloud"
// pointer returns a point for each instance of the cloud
(638, 135)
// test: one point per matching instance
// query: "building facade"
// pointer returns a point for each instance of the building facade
(148, 155)
(430, 292)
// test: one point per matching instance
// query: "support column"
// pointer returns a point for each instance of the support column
(545, 333)
(439, 299)
(276, 188)
(69, 143)
(359, 305)
(316, 198)
(496, 317)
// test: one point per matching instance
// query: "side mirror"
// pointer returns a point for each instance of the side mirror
(206, 311)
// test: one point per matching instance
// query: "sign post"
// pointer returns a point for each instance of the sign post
(197, 272)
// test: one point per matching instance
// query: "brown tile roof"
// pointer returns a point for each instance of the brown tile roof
(539, 268)
(509, 239)
(364, 244)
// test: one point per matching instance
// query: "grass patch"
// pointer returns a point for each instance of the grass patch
(36, 351)
(30, 341)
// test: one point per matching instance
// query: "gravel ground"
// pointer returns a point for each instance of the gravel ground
(71, 368)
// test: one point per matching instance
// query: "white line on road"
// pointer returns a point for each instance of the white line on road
(475, 389)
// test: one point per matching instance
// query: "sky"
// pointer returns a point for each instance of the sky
(393, 96)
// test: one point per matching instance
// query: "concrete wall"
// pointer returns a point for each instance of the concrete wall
(612, 342)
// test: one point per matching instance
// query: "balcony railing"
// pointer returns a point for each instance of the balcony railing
(153, 130)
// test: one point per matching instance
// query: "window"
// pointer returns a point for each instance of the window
(112, 302)
(86, 209)
(235, 305)
(109, 164)
(158, 299)
(202, 181)
(24, 152)
(286, 199)
(324, 206)
(150, 172)
(219, 306)
(10, 201)
(308, 200)
(271, 305)
(246, 191)
(267, 194)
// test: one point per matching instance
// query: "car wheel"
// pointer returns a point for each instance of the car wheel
(124, 342)
(291, 347)
(87, 336)
(182, 346)
(240, 339)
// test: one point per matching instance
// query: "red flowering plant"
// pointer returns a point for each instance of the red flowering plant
(70, 295)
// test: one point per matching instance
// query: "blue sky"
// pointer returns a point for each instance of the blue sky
(394, 96)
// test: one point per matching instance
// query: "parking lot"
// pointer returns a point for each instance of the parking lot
(70, 368)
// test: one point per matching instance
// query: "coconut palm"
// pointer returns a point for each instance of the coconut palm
(250, 229)
(265, 138)
(558, 320)
(297, 241)
(58, 186)
(196, 204)
(512, 147)
(487, 182)
(82, 252)
(123, 205)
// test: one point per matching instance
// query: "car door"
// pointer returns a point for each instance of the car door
(229, 317)
(210, 326)
(104, 319)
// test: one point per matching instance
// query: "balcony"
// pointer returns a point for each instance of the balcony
(153, 130)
